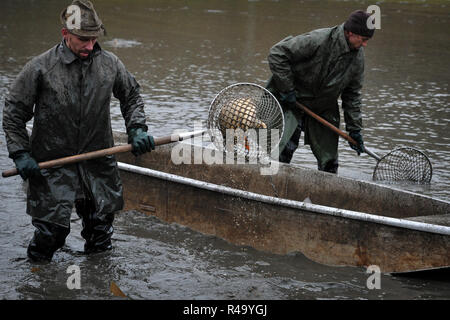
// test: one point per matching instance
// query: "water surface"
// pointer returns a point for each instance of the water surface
(183, 53)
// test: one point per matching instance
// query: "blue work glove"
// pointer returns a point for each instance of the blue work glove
(26, 166)
(140, 141)
(288, 99)
(356, 135)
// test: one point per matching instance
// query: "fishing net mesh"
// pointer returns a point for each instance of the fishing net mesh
(404, 164)
(246, 120)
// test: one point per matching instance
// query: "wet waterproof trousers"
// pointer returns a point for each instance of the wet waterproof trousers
(294, 126)
(49, 237)
(323, 146)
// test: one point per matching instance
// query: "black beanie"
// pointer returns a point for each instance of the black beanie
(357, 23)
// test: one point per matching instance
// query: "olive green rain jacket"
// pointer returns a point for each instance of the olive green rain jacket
(320, 67)
(69, 99)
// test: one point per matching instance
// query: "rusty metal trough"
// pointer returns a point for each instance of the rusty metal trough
(344, 222)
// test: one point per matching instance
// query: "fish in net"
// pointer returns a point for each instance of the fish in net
(246, 120)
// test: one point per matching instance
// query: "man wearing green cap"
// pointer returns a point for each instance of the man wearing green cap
(67, 91)
(316, 68)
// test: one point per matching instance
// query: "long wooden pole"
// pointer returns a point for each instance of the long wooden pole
(104, 152)
(335, 129)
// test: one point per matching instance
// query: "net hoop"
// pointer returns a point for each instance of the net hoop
(404, 164)
(253, 115)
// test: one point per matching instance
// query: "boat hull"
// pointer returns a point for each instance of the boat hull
(190, 195)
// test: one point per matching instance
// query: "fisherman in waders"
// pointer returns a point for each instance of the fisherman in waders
(314, 69)
(67, 90)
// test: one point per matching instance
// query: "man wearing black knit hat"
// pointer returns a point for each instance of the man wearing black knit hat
(316, 68)
(356, 30)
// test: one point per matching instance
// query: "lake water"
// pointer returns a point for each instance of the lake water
(183, 53)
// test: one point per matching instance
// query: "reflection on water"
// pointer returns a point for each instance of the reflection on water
(155, 260)
(121, 43)
(183, 54)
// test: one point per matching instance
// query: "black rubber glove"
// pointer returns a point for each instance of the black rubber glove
(356, 135)
(140, 141)
(288, 99)
(26, 166)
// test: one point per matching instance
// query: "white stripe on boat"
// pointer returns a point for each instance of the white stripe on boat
(355, 215)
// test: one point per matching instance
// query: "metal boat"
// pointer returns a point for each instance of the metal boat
(330, 219)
